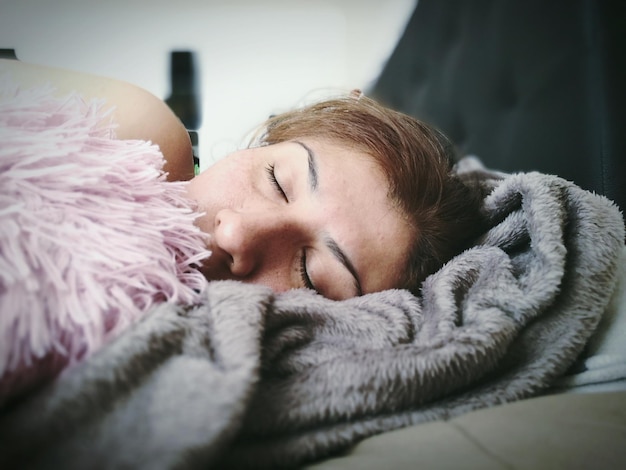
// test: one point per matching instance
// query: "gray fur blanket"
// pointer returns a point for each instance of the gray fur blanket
(253, 379)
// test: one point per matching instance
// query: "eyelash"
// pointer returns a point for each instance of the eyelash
(303, 272)
(271, 174)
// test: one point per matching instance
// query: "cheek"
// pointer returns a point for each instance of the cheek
(209, 190)
(217, 182)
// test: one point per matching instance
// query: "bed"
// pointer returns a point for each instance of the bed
(481, 370)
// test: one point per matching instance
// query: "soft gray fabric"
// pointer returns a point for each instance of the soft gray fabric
(253, 379)
(602, 367)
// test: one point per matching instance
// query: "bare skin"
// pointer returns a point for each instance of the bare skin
(304, 213)
(138, 113)
(307, 213)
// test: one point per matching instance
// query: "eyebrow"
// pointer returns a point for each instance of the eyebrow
(313, 174)
(344, 260)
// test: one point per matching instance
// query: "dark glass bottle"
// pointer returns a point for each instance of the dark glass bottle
(184, 98)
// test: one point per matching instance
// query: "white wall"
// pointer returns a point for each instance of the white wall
(256, 57)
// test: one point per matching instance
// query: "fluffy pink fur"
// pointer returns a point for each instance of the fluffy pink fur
(91, 234)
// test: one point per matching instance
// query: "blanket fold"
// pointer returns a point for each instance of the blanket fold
(253, 379)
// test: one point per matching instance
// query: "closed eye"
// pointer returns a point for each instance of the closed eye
(271, 174)
(304, 274)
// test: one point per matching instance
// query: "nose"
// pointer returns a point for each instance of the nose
(254, 240)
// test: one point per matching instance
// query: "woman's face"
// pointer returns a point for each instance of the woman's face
(306, 213)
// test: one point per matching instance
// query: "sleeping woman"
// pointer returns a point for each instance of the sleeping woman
(344, 196)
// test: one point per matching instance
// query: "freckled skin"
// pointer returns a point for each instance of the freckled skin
(258, 236)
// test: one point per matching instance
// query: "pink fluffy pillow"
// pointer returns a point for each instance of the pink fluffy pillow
(91, 234)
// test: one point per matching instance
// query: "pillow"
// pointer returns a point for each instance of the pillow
(91, 234)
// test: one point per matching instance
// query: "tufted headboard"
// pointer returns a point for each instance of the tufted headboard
(523, 84)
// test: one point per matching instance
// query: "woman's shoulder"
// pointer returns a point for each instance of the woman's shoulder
(138, 113)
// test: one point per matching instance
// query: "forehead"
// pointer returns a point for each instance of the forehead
(361, 217)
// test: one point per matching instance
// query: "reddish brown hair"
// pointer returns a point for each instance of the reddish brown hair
(417, 161)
